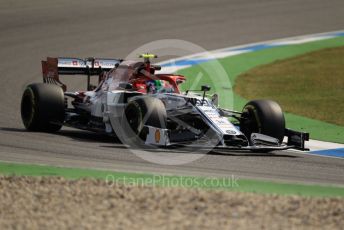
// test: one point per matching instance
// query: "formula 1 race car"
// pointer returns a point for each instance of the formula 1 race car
(137, 105)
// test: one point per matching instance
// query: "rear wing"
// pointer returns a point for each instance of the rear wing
(53, 67)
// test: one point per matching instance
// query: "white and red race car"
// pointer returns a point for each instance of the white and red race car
(139, 106)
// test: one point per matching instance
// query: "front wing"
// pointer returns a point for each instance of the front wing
(295, 140)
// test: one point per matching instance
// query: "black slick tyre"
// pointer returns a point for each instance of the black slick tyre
(140, 112)
(263, 116)
(42, 107)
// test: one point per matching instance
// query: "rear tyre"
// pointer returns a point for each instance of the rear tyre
(263, 116)
(140, 112)
(42, 107)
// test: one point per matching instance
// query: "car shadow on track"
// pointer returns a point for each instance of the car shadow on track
(233, 153)
(78, 135)
(87, 136)
(252, 154)
(12, 129)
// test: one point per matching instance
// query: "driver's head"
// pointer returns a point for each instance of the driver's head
(153, 86)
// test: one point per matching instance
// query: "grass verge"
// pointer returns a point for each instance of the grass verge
(138, 179)
(310, 85)
(237, 65)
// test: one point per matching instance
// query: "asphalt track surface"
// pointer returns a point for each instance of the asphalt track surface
(32, 30)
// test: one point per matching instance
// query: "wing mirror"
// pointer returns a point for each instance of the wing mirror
(205, 88)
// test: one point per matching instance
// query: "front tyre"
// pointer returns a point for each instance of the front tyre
(263, 116)
(141, 112)
(42, 107)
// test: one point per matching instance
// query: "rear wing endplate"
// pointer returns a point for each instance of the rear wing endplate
(53, 67)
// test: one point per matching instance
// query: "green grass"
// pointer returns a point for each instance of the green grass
(237, 65)
(312, 84)
(230, 184)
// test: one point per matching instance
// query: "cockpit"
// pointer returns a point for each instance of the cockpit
(136, 75)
